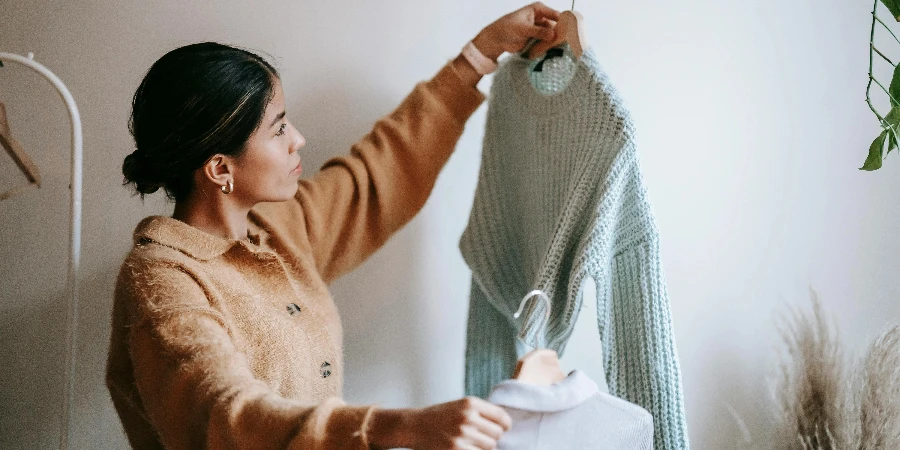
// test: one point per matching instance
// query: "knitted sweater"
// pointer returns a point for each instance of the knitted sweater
(560, 197)
(220, 343)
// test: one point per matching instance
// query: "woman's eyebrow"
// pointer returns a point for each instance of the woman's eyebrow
(277, 118)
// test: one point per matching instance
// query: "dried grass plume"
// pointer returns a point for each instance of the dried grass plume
(811, 389)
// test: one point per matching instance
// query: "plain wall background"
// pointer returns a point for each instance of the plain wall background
(751, 122)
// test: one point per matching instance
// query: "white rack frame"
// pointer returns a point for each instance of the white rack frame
(74, 228)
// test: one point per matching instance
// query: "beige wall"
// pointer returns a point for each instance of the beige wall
(751, 125)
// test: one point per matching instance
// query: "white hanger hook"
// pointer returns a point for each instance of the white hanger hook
(540, 294)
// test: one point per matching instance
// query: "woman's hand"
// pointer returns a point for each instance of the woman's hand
(469, 423)
(511, 32)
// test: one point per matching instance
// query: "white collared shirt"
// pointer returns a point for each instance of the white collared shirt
(572, 414)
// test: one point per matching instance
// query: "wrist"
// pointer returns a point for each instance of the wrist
(484, 46)
(478, 61)
(466, 71)
(392, 428)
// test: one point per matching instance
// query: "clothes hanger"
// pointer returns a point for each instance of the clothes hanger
(540, 366)
(18, 155)
(569, 29)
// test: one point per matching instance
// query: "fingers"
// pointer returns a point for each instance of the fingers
(540, 48)
(495, 414)
(488, 428)
(478, 439)
(481, 426)
(545, 22)
(543, 11)
(545, 33)
(467, 447)
(539, 32)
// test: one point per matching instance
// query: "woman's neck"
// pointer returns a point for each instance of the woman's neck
(215, 215)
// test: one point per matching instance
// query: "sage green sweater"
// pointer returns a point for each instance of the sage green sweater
(560, 197)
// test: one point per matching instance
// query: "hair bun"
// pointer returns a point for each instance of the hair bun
(135, 170)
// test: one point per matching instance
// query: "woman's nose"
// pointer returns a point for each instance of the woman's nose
(298, 142)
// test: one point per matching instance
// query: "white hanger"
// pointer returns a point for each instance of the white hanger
(569, 29)
(540, 366)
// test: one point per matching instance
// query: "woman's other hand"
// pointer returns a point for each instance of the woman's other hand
(469, 423)
(511, 32)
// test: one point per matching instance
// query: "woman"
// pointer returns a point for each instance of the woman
(224, 333)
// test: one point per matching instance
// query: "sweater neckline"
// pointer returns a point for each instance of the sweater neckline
(519, 69)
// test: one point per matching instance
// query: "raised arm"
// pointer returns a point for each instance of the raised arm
(356, 202)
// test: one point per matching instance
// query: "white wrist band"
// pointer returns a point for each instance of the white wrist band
(482, 64)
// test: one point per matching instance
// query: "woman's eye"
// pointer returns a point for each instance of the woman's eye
(281, 130)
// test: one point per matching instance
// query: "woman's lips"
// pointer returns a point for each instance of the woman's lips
(298, 170)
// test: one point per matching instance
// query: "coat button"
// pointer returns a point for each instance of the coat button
(293, 309)
(326, 369)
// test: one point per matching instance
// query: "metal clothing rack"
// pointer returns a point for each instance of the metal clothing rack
(74, 228)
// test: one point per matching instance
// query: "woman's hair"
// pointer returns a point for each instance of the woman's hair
(195, 102)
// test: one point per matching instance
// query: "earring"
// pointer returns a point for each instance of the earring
(228, 188)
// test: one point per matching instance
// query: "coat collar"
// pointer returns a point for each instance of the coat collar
(187, 239)
(574, 390)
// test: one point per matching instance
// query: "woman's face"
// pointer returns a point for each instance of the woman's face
(269, 167)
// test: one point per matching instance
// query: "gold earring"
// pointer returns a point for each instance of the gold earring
(228, 188)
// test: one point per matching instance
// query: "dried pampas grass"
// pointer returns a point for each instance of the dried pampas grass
(811, 390)
(878, 396)
(822, 404)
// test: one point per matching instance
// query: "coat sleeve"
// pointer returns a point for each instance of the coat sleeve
(197, 388)
(353, 205)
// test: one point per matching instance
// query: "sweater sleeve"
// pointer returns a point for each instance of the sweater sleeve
(634, 311)
(353, 205)
(198, 390)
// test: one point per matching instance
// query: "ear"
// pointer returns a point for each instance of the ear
(218, 170)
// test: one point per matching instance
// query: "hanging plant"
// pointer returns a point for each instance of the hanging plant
(890, 123)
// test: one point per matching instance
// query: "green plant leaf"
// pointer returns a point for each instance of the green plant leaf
(894, 7)
(893, 116)
(892, 126)
(892, 140)
(894, 88)
(892, 120)
(876, 153)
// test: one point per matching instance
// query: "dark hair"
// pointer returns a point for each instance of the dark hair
(196, 101)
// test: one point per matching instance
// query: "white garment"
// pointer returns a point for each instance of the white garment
(572, 414)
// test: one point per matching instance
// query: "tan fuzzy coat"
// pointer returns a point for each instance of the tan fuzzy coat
(221, 343)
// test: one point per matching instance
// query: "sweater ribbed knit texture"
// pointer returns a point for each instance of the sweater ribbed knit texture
(560, 197)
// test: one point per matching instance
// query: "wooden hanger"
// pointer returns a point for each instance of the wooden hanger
(18, 155)
(540, 366)
(569, 29)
